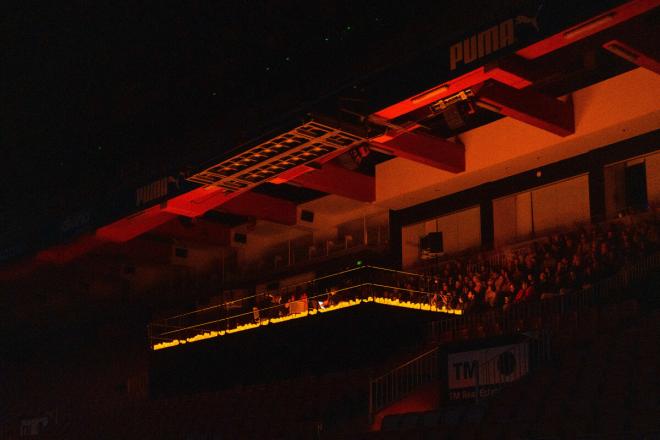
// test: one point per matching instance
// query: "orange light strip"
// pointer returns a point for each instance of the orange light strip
(250, 326)
(416, 306)
(332, 308)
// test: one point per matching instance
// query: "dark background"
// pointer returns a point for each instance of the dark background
(90, 88)
(98, 98)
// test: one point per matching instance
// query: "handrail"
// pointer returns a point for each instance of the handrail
(416, 358)
(288, 286)
(402, 380)
(396, 270)
(261, 310)
(181, 329)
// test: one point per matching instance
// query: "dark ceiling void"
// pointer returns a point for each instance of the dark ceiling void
(292, 193)
(225, 218)
(194, 230)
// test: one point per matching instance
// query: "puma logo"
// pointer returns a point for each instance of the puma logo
(484, 43)
(532, 21)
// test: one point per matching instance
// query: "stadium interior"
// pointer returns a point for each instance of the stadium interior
(463, 244)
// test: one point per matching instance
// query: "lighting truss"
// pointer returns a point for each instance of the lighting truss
(300, 146)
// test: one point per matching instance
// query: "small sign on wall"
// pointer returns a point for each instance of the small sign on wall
(484, 371)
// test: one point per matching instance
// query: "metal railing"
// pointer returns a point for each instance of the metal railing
(403, 380)
(343, 289)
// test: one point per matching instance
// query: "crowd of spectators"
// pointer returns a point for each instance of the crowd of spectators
(556, 265)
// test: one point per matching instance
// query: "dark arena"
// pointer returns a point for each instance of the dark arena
(334, 219)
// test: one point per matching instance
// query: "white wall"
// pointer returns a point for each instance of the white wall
(410, 236)
(512, 217)
(561, 204)
(545, 208)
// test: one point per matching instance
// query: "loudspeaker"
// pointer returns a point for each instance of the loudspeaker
(359, 153)
(453, 117)
(240, 238)
(432, 243)
(307, 216)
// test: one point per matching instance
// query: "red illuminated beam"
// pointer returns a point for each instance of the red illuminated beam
(334, 179)
(134, 225)
(198, 201)
(589, 27)
(423, 148)
(528, 106)
(571, 35)
(633, 54)
(67, 252)
(201, 200)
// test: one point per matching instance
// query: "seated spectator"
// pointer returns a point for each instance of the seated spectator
(520, 294)
(255, 314)
(530, 291)
(544, 285)
(491, 295)
(507, 304)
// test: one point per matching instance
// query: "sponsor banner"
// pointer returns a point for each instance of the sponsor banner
(486, 368)
(156, 190)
